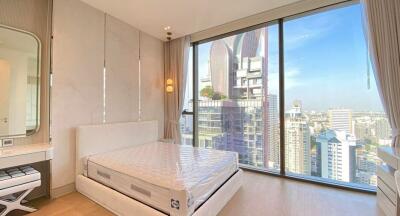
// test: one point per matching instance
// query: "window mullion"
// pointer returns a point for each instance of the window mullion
(281, 99)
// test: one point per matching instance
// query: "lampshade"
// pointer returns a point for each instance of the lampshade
(169, 89)
(169, 82)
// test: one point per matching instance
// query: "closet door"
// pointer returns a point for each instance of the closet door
(121, 71)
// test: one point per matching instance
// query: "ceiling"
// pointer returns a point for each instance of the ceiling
(183, 16)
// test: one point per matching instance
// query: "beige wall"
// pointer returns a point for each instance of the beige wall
(122, 69)
(78, 56)
(84, 39)
(152, 80)
(33, 16)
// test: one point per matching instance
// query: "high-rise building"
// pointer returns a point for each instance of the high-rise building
(244, 117)
(340, 120)
(362, 128)
(186, 127)
(272, 133)
(382, 128)
(315, 157)
(337, 155)
(297, 141)
(366, 167)
(233, 125)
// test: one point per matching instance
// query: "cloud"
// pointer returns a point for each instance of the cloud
(292, 80)
(300, 31)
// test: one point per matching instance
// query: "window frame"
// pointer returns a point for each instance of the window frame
(282, 172)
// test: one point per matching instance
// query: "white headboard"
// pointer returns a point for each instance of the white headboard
(94, 139)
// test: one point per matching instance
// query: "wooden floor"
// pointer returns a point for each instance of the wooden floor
(260, 195)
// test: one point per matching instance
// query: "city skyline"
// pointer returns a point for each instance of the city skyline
(333, 118)
(303, 78)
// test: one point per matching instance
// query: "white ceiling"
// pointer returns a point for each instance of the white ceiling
(184, 16)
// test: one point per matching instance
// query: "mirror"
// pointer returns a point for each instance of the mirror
(19, 82)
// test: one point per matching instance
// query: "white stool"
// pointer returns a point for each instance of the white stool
(17, 180)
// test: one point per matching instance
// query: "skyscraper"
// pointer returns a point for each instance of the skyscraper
(382, 128)
(243, 117)
(272, 127)
(340, 120)
(297, 141)
(337, 155)
(233, 125)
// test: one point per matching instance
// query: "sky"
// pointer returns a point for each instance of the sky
(326, 61)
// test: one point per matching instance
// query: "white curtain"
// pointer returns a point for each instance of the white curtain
(176, 68)
(382, 25)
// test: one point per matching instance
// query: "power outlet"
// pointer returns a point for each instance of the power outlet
(8, 142)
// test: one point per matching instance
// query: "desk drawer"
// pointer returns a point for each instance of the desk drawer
(386, 174)
(392, 195)
(19, 160)
(385, 204)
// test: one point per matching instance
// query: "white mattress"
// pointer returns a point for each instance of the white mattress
(174, 179)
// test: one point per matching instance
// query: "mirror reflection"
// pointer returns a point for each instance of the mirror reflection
(19, 82)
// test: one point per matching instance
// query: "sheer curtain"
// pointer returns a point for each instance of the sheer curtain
(176, 69)
(382, 25)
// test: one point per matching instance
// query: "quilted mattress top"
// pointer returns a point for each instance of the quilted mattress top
(171, 166)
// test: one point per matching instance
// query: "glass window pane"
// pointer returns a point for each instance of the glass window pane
(186, 124)
(334, 120)
(188, 101)
(238, 96)
(186, 120)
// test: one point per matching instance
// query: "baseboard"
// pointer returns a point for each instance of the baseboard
(63, 190)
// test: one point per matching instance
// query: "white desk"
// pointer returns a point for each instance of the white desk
(25, 154)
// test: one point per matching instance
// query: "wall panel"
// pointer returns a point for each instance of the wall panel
(85, 42)
(77, 98)
(152, 80)
(122, 71)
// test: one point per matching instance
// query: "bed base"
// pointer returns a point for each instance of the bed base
(121, 204)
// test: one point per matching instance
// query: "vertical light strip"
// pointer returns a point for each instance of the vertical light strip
(104, 69)
(140, 84)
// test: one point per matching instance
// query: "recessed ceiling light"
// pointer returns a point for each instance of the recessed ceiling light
(166, 28)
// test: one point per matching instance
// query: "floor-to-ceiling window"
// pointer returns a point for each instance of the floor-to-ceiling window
(186, 122)
(334, 120)
(238, 91)
(297, 93)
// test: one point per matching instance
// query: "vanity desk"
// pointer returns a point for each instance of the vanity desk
(25, 168)
(25, 154)
(37, 156)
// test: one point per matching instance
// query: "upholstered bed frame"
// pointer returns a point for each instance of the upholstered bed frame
(94, 139)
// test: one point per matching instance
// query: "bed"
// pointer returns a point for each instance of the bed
(124, 168)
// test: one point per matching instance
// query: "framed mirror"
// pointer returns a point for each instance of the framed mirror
(19, 82)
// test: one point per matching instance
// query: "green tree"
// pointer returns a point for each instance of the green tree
(209, 92)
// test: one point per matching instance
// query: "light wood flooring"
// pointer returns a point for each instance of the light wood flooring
(259, 195)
